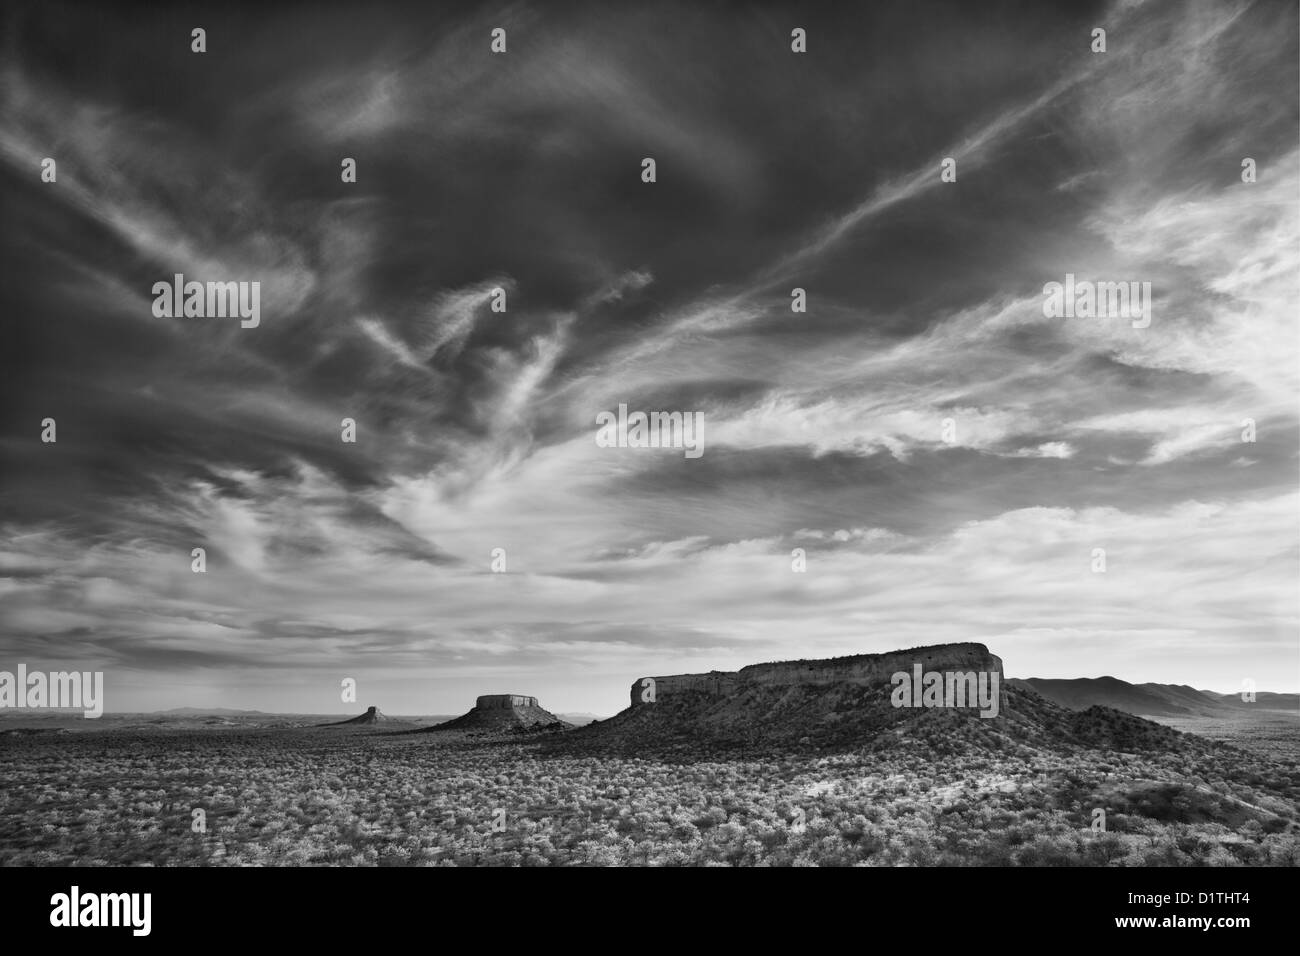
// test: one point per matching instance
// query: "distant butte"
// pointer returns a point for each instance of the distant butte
(371, 716)
(505, 713)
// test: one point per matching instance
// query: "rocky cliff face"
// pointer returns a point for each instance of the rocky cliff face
(504, 702)
(867, 670)
(718, 683)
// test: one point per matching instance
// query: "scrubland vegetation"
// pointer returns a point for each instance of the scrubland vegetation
(329, 797)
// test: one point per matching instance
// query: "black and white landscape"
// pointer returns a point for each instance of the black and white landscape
(650, 434)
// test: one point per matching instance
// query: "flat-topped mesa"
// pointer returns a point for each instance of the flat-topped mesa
(503, 701)
(856, 669)
(500, 713)
(874, 668)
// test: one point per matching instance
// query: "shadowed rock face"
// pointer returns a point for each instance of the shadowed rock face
(860, 669)
(504, 701)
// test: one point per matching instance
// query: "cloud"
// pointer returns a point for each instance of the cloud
(947, 456)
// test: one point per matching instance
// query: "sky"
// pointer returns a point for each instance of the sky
(947, 456)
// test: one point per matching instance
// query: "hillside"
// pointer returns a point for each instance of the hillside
(1152, 700)
(836, 717)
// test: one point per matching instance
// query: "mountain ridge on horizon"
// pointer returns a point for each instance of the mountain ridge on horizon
(1151, 699)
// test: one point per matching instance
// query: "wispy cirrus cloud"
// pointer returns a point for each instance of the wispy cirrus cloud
(923, 431)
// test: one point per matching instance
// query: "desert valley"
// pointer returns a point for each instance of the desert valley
(792, 763)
